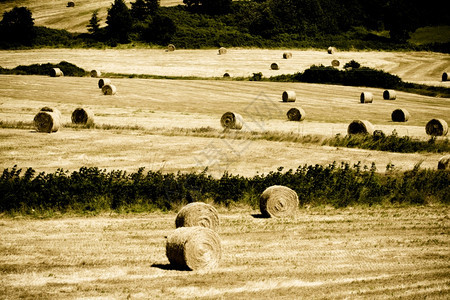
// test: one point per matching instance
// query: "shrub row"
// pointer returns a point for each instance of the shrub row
(96, 190)
(68, 69)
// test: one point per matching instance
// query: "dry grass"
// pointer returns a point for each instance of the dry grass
(321, 253)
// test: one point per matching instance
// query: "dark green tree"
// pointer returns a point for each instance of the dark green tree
(17, 26)
(160, 30)
(213, 7)
(94, 24)
(119, 22)
(142, 9)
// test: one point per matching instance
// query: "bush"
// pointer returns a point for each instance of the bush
(44, 69)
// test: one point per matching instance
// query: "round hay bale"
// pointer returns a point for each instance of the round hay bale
(170, 47)
(96, 73)
(287, 55)
(82, 116)
(193, 248)
(360, 127)
(103, 81)
(109, 89)
(444, 76)
(366, 97)
(198, 214)
(51, 109)
(296, 114)
(231, 120)
(389, 95)
(278, 201)
(46, 121)
(222, 50)
(56, 72)
(331, 50)
(400, 115)
(335, 63)
(70, 4)
(444, 163)
(226, 75)
(436, 127)
(288, 96)
(274, 66)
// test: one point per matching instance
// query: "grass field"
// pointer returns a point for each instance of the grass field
(321, 254)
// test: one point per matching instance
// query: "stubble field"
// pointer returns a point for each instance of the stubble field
(174, 125)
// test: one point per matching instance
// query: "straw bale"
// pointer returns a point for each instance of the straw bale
(436, 127)
(194, 248)
(331, 50)
(444, 76)
(278, 201)
(103, 81)
(51, 109)
(288, 96)
(444, 163)
(109, 89)
(198, 214)
(360, 127)
(296, 114)
(335, 63)
(366, 97)
(400, 115)
(274, 66)
(170, 47)
(231, 120)
(56, 72)
(46, 121)
(70, 4)
(389, 95)
(287, 55)
(222, 50)
(82, 116)
(96, 73)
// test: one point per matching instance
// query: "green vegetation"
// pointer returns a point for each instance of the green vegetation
(44, 69)
(95, 190)
(349, 24)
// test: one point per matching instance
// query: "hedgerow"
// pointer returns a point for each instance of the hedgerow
(96, 190)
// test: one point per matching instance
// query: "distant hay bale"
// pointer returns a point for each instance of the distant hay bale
(389, 95)
(198, 214)
(287, 55)
(288, 96)
(226, 75)
(56, 72)
(335, 63)
(366, 97)
(170, 47)
(444, 163)
(331, 50)
(436, 127)
(70, 4)
(274, 66)
(51, 109)
(296, 114)
(444, 76)
(231, 120)
(46, 121)
(360, 127)
(222, 50)
(278, 201)
(96, 73)
(109, 89)
(103, 81)
(194, 248)
(400, 115)
(82, 116)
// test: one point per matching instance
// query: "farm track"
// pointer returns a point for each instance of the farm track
(362, 253)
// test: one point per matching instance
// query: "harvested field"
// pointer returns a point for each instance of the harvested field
(345, 253)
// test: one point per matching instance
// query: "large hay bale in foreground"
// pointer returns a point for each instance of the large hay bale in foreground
(231, 120)
(360, 127)
(288, 96)
(278, 201)
(103, 81)
(170, 47)
(109, 89)
(198, 214)
(222, 50)
(46, 121)
(335, 63)
(274, 66)
(96, 73)
(82, 116)
(56, 72)
(287, 55)
(444, 163)
(436, 127)
(400, 115)
(331, 50)
(444, 76)
(193, 248)
(389, 95)
(366, 97)
(296, 114)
